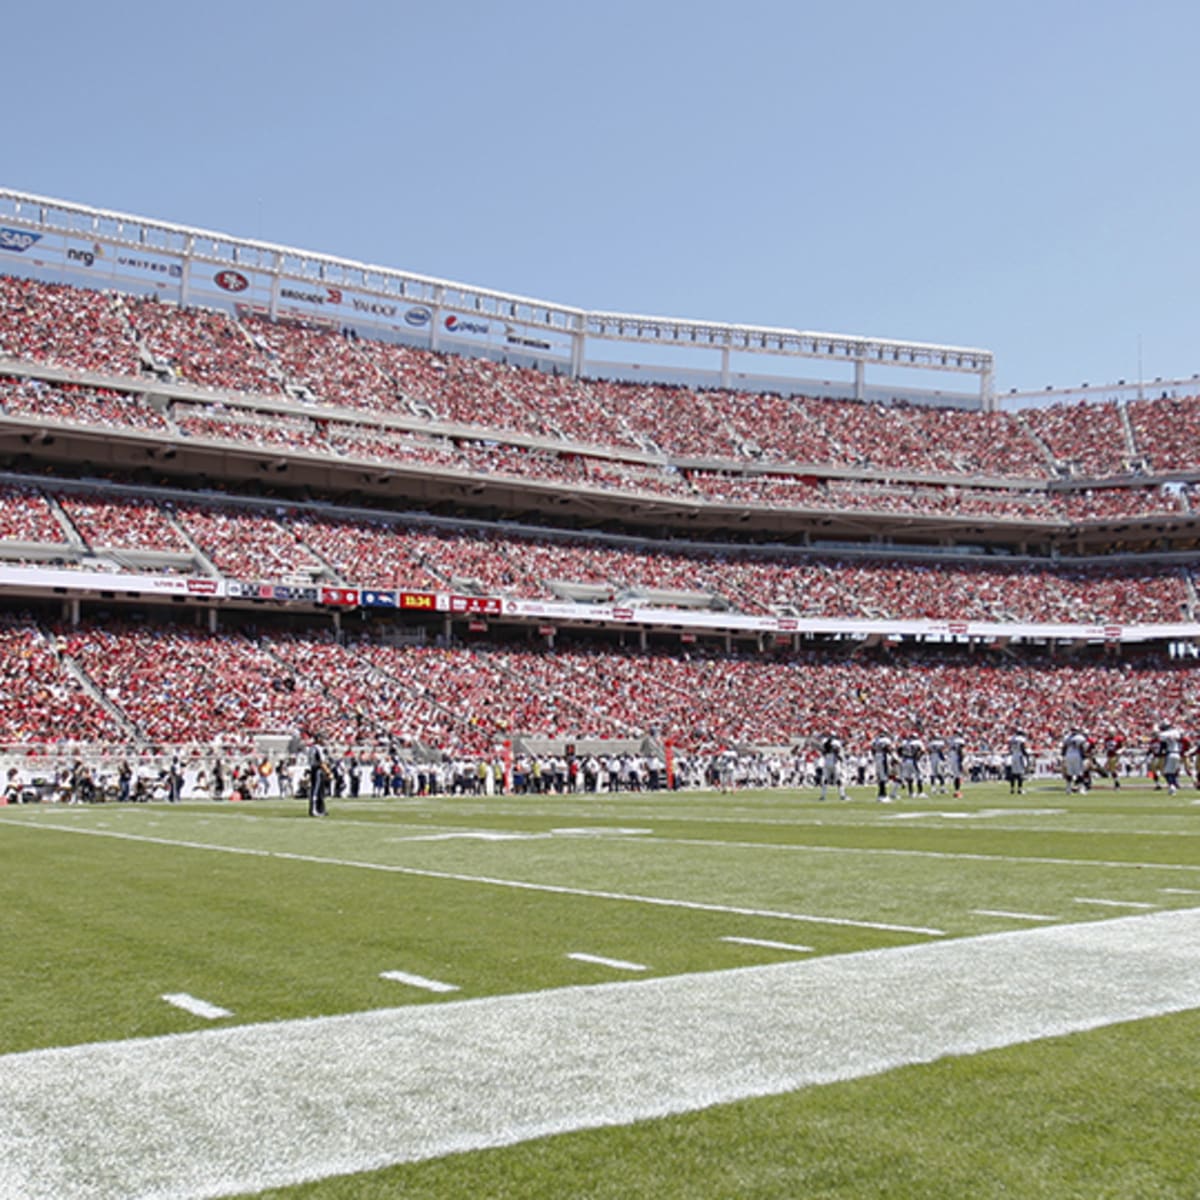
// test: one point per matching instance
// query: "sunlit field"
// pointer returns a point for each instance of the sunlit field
(141, 921)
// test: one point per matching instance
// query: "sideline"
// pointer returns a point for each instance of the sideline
(216, 1113)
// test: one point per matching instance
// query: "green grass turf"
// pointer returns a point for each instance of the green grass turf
(1108, 1115)
(97, 927)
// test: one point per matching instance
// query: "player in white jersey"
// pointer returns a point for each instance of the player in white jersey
(833, 755)
(1074, 761)
(1171, 747)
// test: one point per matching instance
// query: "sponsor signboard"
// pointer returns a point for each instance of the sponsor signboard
(66, 581)
(294, 592)
(527, 343)
(153, 266)
(17, 241)
(369, 598)
(516, 335)
(375, 308)
(286, 593)
(490, 605)
(84, 256)
(307, 293)
(418, 600)
(418, 317)
(231, 281)
(456, 324)
(79, 582)
(342, 597)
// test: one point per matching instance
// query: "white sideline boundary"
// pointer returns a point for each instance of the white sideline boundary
(220, 1112)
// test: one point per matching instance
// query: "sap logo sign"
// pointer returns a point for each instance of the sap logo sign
(17, 240)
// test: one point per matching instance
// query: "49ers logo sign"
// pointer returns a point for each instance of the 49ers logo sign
(231, 281)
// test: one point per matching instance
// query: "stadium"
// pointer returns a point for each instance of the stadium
(574, 601)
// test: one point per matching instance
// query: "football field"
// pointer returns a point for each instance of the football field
(695, 994)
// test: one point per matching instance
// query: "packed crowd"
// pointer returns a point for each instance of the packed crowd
(151, 684)
(289, 433)
(76, 404)
(1089, 439)
(27, 516)
(121, 522)
(269, 431)
(1167, 432)
(393, 709)
(62, 326)
(201, 346)
(281, 543)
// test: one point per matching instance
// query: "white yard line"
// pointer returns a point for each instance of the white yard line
(518, 884)
(1113, 903)
(1016, 916)
(197, 1007)
(618, 964)
(418, 981)
(248, 1108)
(795, 847)
(950, 855)
(749, 941)
(470, 835)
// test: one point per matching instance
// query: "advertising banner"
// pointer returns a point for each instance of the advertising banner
(227, 286)
(342, 597)
(369, 598)
(17, 241)
(419, 601)
(487, 605)
(103, 581)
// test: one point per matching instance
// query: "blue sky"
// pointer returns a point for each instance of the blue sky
(1019, 176)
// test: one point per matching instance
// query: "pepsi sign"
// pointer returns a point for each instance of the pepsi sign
(456, 324)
